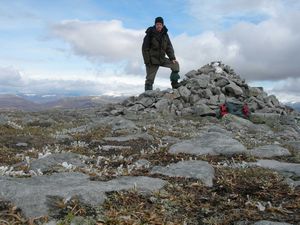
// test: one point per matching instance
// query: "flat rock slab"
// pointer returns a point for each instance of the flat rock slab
(133, 137)
(236, 123)
(295, 145)
(48, 162)
(266, 222)
(269, 151)
(279, 166)
(209, 143)
(30, 194)
(190, 169)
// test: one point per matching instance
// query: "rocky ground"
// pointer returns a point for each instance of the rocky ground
(159, 158)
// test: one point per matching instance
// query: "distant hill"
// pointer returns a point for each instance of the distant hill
(14, 102)
(82, 102)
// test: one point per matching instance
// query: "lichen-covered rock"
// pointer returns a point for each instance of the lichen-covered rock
(269, 151)
(190, 169)
(209, 143)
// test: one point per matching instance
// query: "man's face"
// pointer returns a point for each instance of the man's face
(159, 27)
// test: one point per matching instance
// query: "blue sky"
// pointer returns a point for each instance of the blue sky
(89, 47)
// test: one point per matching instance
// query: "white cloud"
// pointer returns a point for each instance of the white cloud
(195, 51)
(10, 77)
(219, 12)
(102, 41)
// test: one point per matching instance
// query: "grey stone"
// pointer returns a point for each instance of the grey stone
(117, 112)
(292, 183)
(255, 91)
(120, 124)
(191, 74)
(176, 94)
(129, 101)
(269, 151)
(194, 98)
(255, 103)
(132, 137)
(237, 120)
(293, 168)
(146, 101)
(216, 90)
(162, 105)
(222, 98)
(234, 89)
(215, 128)
(178, 104)
(201, 109)
(221, 82)
(264, 117)
(170, 140)
(267, 222)
(184, 93)
(272, 101)
(30, 194)
(287, 132)
(206, 69)
(50, 161)
(295, 145)
(236, 123)
(213, 100)
(211, 143)
(187, 111)
(202, 81)
(135, 108)
(190, 169)
(208, 93)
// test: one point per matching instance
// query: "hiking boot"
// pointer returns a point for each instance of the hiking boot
(175, 84)
(148, 87)
(174, 77)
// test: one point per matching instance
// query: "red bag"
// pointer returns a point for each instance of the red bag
(223, 110)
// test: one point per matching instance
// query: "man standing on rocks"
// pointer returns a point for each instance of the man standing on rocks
(156, 45)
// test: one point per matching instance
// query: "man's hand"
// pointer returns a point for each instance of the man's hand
(174, 61)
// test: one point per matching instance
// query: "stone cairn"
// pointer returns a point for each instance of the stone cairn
(201, 93)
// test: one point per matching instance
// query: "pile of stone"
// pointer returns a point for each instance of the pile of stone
(201, 93)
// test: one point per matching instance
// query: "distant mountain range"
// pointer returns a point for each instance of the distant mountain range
(43, 102)
(295, 105)
(38, 103)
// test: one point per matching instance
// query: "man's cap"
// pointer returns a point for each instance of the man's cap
(159, 20)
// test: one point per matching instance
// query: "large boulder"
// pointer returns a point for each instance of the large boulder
(233, 89)
(222, 81)
(184, 93)
(255, 91)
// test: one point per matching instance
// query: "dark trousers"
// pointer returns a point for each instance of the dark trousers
(151, 70)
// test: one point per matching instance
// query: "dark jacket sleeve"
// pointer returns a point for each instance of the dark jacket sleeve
(146, 49)
(170, 50)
